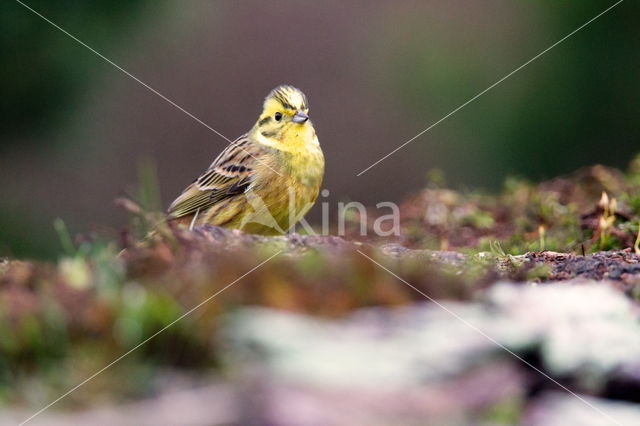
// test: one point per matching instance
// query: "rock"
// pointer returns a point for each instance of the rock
(562, 409)
(446, 362)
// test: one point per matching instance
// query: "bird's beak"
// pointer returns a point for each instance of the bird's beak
(300, 117)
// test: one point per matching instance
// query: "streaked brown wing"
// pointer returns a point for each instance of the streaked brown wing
(229, 174)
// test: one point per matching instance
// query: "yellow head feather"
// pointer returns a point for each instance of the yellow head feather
(287, 97)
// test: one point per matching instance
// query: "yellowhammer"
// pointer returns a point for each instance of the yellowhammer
(264, 181)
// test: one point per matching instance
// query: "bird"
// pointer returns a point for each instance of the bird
(264, 181)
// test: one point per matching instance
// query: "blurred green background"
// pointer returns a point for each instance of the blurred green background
(75, 130)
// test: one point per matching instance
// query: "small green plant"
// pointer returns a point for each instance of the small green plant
(607, 220)
(65, 237)
(496, 249)
(542, 232)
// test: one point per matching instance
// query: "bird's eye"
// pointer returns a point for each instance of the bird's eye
(278, 116)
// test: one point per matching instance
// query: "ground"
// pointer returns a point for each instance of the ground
(516, 307)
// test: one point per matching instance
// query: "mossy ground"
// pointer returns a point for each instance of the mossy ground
(61, 322)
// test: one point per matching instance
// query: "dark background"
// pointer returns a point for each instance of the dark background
(75, 131)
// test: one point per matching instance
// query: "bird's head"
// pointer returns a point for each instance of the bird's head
(285, 108)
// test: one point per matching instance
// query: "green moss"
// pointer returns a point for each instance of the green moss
(505, 412)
